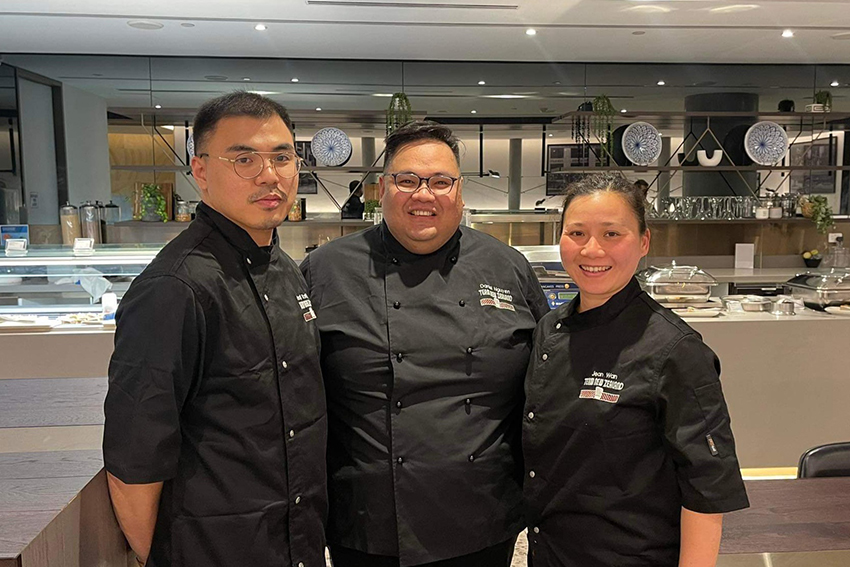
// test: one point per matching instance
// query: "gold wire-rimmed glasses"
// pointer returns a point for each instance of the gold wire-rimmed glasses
(249, 165)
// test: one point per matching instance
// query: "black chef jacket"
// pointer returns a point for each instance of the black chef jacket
(424, 358)
(215, 388)
(625, 423)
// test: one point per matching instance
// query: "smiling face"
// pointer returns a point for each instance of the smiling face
(257, 205)
(422, 222)
(601, 246)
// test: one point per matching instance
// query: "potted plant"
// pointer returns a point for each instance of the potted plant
(399, 112)
(602, 126)
(153, 203)
(822, 102)
(369, 207)
(817, 209)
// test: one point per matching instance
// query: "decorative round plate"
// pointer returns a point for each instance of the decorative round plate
(641, 143)
(331, 146)
(766, 143)
(190, 145)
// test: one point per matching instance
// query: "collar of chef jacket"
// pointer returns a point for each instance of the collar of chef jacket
(603, 314)
(394, 248)
(237, 236)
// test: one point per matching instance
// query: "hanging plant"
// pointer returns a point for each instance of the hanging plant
(399, 112)
(153, 203)
(602, 125)
(817, 209)
(581, 130)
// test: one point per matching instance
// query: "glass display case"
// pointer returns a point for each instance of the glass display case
(51, 281)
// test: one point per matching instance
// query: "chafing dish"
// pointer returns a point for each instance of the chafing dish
(820, 289)
(677, 284)
(756, 303)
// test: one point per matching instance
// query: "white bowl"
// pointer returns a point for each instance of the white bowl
(712, 161)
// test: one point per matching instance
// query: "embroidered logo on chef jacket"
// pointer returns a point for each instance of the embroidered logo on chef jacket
(600, 381)
(492, 296)
(304, 303)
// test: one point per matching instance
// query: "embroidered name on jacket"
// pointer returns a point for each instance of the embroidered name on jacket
(492, 296)
(304, 303)
(600, 381)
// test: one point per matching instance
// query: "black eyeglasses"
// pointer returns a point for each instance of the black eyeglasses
(436, 184)
(249, 165)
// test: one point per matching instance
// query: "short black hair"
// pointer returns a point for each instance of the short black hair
(614, 183)
(237, 103)
(416, 131)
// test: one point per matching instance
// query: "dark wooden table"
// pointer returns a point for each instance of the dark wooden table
(791, 516)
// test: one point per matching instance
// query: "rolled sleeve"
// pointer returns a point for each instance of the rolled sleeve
(697, 430)
(158, 345)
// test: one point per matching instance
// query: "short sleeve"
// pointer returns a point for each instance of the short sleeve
(158, 346)
(697, 430)
(534, 295)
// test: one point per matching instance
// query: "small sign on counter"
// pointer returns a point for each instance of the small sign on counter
(745, 256)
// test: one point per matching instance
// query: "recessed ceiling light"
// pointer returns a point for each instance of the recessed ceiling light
(294, 79)
(145, 25)
(834, 84)
(97, 74)
(842, 35)
(387, 95)
(246, 78)
(474, 112)
(318, 109)
(531, 31)
(623, 110)
(661, 83)
(482, 82)
(169, 126)
(639, 32)
(650, 9)
(551, 135)
(260, 27)
(787, 33)
(557, 83)
(505, 96)
(187, 25)
(734, 8)
(157, 106)
(264, 93)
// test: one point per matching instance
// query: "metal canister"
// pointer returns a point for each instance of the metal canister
(69, 218)
(111, 212)
(90, 222)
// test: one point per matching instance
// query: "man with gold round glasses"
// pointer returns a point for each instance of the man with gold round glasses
(426, 331)
(216, 426)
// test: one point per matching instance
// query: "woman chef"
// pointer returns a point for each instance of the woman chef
(629, 455)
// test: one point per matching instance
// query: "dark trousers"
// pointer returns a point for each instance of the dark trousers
(499, 555)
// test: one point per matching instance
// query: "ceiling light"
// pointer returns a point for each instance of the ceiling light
(318, 109)
(145, 25)
(639, 32)
(661, 83)
(157, 106)
(531, 31)
(623, 110)
(169, 126)
(787, 33)
(387, 95)
(260, 27)
(551, 135)
(842, 35)
(97, 74)
(505, 96)
(474, 112)
(215, 77)
(834, 84)
(734, 8)
(482, 82)
(187, 25)
(264, 93)
(294, 79)
(246, 78)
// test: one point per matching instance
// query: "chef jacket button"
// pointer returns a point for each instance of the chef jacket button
(461, 303)
(453, 259)
(545, 357)
(399, 357)
(558, 326)
(468, 401)
(284, 364)
(248, 260)
(396, 305)
(399, 460)
(291, 433)
(531, 474)
(531, 415)
(398, 404)
(468, 350)
(266, 296)
(471, 458)
(298, 500)
(536, 530)
(395, 260)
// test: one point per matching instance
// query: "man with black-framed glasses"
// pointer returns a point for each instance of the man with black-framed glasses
(426, 331)
(216, 429)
